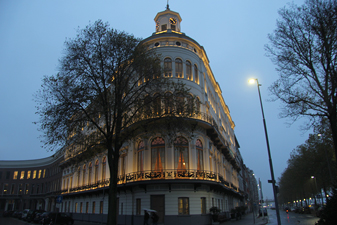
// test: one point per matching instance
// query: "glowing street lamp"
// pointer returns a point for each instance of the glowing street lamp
(268, 148)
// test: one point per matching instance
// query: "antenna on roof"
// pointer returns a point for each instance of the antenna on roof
(167, 6)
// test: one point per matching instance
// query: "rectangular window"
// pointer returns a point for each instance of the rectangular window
(22, 176)
(5, 189)
(28, 174)
(163, 27)
(81, 207)
(203, 205)
(40, 171)
(12, 189)
(44, 173)
(138, 206)
(20, 189)
(69, 206)
(26, 189)
(34, 174)
(86, 207)
(101, 207)
(183, 206)
(65, 206)
(75, 207)
(0, 175)
(15, 175)
(8, 174)
(93, 207)
(32, 191)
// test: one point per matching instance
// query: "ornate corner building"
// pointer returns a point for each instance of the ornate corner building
(180, 179)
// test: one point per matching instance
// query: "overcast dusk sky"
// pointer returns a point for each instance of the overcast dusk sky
(233, 34)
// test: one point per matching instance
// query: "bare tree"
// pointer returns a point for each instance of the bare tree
(108, 90)
(304, 49)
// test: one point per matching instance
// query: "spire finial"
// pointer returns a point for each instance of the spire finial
(167, 6)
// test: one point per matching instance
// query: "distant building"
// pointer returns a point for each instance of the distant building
(30, 184)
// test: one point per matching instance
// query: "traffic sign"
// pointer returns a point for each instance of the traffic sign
(59, 199)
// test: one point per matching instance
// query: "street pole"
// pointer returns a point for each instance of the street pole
(270, 160)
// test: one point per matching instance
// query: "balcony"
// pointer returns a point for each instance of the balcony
(165, 176)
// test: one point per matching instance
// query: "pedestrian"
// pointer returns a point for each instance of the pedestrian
(146, 217)
(155, 218)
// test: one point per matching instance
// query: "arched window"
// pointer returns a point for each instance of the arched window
(122, 164)
(181, 154)
(140, 156)
(197, 105)
(168, 67)
(147, 106)
(90, 173)
(168, 101)
(179, 68)
(200, 159)
(157, 154)
(190, 105)
(156, 104)
(83, 181)
(196, 74)
(96, 171)
(79, 177)
(189, 70)
(180, 103)
(103, 168)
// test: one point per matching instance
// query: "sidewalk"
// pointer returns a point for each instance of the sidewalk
(248, 219)
(245, 220)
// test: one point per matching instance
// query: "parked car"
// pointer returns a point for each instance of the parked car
(17, 214)
(7, 213)
(38, 218)
(265, 213)
(24, 214)
(56, 218)
(32, 214)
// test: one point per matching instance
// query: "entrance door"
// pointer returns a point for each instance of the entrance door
(158, 204)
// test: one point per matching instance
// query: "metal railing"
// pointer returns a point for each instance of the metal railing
(168, 174)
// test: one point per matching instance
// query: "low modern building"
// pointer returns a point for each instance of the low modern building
(30, 184)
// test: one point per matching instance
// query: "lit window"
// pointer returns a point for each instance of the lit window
(188, 70)
(26, 189)
(158, 154)
(5, 189)
(75, 207)
(181, 154)
(156, 104)
(22, 176)
(28, 174)
(203, 205)
(101, 207)
(15, 175)
(168, 102)
(167, 67)
(183, 206)
(196, 74)
(179, 68)
(93, 207)
(103, 168)
(20, 189)
(34, 174)
(200, 161)
(44, 173)
(140, 150)
(81, 207)
(40, 171)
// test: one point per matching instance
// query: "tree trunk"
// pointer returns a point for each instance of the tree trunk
(333, 127)
(113, 168)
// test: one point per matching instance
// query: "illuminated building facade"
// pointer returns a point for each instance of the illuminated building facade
(182, 179)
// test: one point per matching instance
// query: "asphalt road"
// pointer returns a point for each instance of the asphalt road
(292, 218)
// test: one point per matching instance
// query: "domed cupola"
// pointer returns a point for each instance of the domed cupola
(167, 21)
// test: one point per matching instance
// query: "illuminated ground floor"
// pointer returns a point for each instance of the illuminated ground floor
(181, 200)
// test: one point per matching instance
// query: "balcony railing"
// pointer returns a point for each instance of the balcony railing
(157, 175)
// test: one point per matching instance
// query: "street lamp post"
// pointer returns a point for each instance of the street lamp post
(270, 160)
